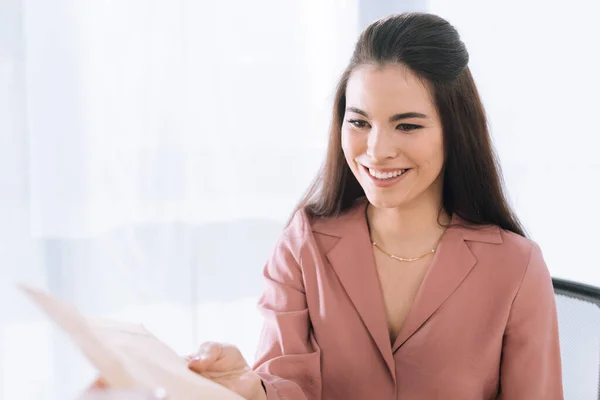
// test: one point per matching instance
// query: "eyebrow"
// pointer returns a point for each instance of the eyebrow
(393, 118)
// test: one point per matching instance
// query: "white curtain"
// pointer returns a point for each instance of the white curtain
(150, 152)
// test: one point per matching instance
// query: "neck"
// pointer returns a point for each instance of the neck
(414, 226)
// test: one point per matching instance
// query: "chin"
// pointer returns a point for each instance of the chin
(385, 201)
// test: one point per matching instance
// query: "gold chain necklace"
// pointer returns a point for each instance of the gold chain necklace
(401, 258)
(392, 256)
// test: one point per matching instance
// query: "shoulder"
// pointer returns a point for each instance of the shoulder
(507, 255)
(494, 243)
(529, 255)
(524, 249)
(298, 233)
(491, 239)
(299, 225)
(321, 233)
(303, 224)
(521, 247)
(508, 264)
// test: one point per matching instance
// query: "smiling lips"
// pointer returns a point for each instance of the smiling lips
(386, 174)
(385, 178)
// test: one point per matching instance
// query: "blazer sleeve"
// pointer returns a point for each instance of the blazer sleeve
(288, 357)
(531, 364)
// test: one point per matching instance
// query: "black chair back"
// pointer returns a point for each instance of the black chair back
(578, 307)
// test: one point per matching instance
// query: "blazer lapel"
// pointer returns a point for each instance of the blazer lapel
(350, 253)
(450, 266)
(352, 259)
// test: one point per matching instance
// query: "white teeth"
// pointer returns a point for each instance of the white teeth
(386, 175)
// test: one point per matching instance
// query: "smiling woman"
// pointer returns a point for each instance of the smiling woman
(421, 86)
(403, 272)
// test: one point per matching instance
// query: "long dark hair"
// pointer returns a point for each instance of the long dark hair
(430, 47)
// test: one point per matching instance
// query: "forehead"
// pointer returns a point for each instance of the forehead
(387, 90)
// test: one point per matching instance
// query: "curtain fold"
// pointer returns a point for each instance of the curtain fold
(150, 153)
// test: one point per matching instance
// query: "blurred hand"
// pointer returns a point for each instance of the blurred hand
(224, 364)
(221, 363)
(99, 383)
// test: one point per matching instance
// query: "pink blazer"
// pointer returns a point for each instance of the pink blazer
(483, 324)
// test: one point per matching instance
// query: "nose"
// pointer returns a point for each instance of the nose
(380, 145)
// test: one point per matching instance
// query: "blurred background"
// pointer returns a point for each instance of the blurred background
(151, 151)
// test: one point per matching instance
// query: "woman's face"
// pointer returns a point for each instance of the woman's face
(392, 136)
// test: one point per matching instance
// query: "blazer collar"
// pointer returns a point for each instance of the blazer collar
(349, 219)
(350, 254)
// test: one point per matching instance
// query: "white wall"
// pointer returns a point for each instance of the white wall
(537, 65)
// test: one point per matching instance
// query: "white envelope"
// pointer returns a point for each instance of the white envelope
(127, 356)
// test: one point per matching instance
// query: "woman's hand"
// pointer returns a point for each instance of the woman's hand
(225, 365)
(98, 384)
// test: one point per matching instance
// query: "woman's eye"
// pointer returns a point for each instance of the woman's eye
(408, 127)
(357, 123)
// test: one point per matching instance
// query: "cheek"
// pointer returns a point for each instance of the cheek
(431, 156)
(439, 155)
(351, 145)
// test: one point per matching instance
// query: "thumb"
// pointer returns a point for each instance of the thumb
(207, 354)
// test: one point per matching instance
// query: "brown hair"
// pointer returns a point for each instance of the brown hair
(430, 47)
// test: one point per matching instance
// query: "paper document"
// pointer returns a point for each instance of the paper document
(127, 356)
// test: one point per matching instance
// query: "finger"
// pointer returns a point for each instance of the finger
(203, 364)
(98, 384)
(208, 349)
(206, 355)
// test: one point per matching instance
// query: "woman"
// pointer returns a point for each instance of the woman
(403, 274)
